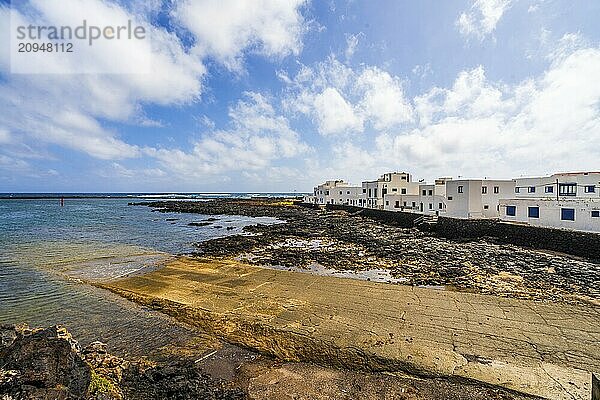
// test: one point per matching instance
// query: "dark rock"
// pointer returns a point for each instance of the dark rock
(45, 364)
(178, 381)
(48, 364)
(200, 223)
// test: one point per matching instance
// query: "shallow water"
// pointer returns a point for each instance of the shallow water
(46, 249)
(373, 275)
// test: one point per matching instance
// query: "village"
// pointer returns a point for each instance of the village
(563, 200)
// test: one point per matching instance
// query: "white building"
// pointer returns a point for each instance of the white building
(336, 192)
(430, 199)
(567, 201)
(560, 186)
(393, 183)
(476, 198)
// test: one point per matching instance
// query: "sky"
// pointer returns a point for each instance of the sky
(278, 96)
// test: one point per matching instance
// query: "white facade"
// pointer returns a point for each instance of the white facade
(566, 201)
(336, 192)
(476, 198)
(574, 214)
(430, 199)
(402, 202)
(560, 186)
(392, 183)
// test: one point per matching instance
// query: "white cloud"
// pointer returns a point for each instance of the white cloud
(479, 128)
(481, 20)
(351, 44)
(224, 28)
(72, 112)
(5, 136)
(383, 100)
(334, 114)
(62, 110)
(342, 100)
(258, 137)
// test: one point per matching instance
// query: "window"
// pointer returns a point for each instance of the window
(374, 192)
(460, 189)
(511, 211)
(596, 214)
(533, 212)
(567, 214)
(348, 192)
(397, 204)
(424, 192)
(383, 191)
(590, 189)
(414, 204)
(403, 191)
(567, 189)
(496, 189)
(531, 189)
(484, 190)
(549, 189)
(431, 206)
(341, 192)
(404, 203)
(450, 198)
(486, 207)
(440, 205)
(394, 189)
(517, 189)
(370, 192)
(431, 192)
(387, 203)
(364, 190)
(327, 192)
(403, 178)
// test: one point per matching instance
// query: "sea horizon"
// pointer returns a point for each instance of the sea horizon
(143, 195)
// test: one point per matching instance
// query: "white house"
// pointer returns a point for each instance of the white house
(392, 183)
(476, 198)
(560, 186)
(430, 199)
(336, 192)
(566, 200)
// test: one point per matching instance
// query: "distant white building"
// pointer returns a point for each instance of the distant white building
(336, 192)
(392, 183)
(476, 198)
(566, 200)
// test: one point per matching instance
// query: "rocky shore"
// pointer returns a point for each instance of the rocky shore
(49, 364)
(343, 241)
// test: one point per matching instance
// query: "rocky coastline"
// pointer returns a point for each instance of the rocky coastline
(49, 364)
(344, 241)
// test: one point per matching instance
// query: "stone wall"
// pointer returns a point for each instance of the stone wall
(582, 244)
(394, 218)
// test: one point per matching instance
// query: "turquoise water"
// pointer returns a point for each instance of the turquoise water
(47, 251)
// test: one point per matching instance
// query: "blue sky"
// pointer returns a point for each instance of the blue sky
(276, 95)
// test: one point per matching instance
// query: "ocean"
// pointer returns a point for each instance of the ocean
(48, 251)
